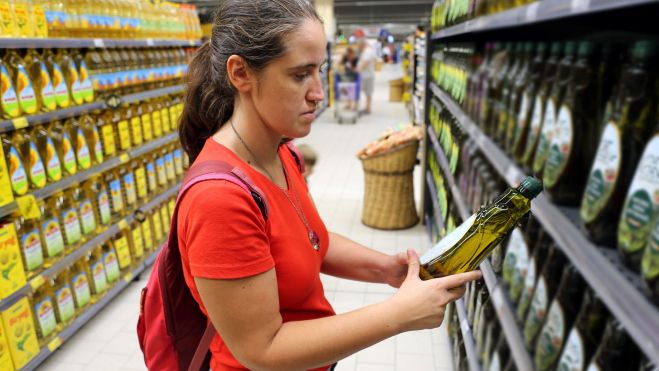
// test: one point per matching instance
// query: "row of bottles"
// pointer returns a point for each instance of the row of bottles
(449, 12)
(100, 18)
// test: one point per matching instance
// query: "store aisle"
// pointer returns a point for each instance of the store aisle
(109, 342)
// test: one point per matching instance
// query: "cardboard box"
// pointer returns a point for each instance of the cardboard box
(12, 273)
(5, 353)
(20, 333)
(396, 90)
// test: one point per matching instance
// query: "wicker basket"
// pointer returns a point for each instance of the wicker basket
(389, 188)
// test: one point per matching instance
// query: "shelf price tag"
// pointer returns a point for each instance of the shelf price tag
(37, 282)
(20, 123)
(54, 344)
(124, 158)
(579, 5)
(149, 42)
(28, 207)
(123, 224)
(99, 43)
(128, 277)
(531, 12)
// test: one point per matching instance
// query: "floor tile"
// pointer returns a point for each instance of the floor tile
(382, 352)
(414, 362)
(107, 362)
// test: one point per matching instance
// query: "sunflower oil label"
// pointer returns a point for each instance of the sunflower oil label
(160, 170)
(26, 95)
(147, 127)
(99, 277)
(31, 243)
(573, 356)
(146, 234)
(53, 166)
(550, 341)
(151, 176)
(76, 88)
(165, 121)
(22, 19)
(136, 130)
(169, 166)
(36, 168)
(115, 196)
(650, 262)
(47, 89)
(86, 86)
(7, 19)
(70, 164)
(560, 147)
(104, 207)
(129, 187)
(140, 181)
(603, 175)
(98, 146)
(45, 317)
(71, 226)
(107, 134)
(9, 98)
(111, 263)
(512, 252)
(87, 218)
(178, 161)
(53, 237)
(642, 201)
(81, 289)
(40, 25)
(156, 119)
(65, 303)
(62, 96)
(546, 136)
(537, 312)
(138, 243)
(124, 134)
(157, 226)
(82, 149)
(17, 174)
(123, 252)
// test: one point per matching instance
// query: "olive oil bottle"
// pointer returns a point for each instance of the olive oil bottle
(521, 81)
(518, 255)
(542, 251)
(519, 62)
(500, 355)
(629, 128)
(466, 247)
(495, 88)
(650, 262)
(616, 350)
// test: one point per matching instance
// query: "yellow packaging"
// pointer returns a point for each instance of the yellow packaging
(5, 356)
(23, 18)
(7, 24)
(20, 332)
(123, 250)
(147, 235)
(137, 241)
(40, 24)
(6, 194)
(164, 215)
(157, 226)
(12, 273)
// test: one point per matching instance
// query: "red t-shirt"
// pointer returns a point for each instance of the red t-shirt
(222, 235)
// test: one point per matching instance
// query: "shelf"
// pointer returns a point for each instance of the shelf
(467, 336)
(42, 118)
(435, 205)
(54, 43)
(71, 257)
(625, 300)
(86, 174)
(539, 11)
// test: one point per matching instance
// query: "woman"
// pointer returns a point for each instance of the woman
(256, 82)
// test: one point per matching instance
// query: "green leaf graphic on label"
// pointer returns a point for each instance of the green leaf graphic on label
(71, 226)
(65, 303)
(87, 217)
(650, 262)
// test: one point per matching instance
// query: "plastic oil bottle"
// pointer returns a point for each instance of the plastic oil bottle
(85, 210)
(136, 241)
(36, 172)
(141, 186)
(86, 86)
(64, 147)
(39, 19)
(113, 184)
(8, 96)
(51, 235)
(97, 192)
(61, 89)
(28, 234)
(92, 137)
(96, 272)
(147, 233)
(179, 165)
(122, 128)
(38, 74)
(69, 218)
(23, 18)
(81, 148)
(157, 118)
(71, 75)
(96, 67)
(80, 284)
(161, 172)
(27, 97)
(170, 168)
(65, 309)
(132, 115)
(146, 110)
(151, 179)
(123, 249)
(111, 262)
(44, 313)
(105, 125)
(128, 184)
(7, 23)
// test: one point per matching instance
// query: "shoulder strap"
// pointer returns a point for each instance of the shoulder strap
(297, 155)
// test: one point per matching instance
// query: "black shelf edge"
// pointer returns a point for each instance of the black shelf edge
(54, 43)
(632, 308)
(467, 336)
(540, 11)
(430, 183)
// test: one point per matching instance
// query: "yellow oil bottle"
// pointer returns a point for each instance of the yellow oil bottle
(151, 179)
(179, 166)
(51, 235)
(23, 18)
(8, 97)
(170, 168)
(85, 209)
(128, 184)
(64, 147)
(141, 186)
(69, 219)
(39, 19)
(45, 320)
(65, 309)
(38, 74)
(113, 184)
(156, 223)
(136, 242)
(54, 10)
(80, 284)
(97, 191)
(85, 81)
(62, 91)
(108, 138)
(92, 137)
(36, 172)
(165, 217)
(131, 114)
(29, 237)
(71, 75)
(175, 110)
(122, 128)
(123, 249)
(146, 109)
(17, 175)
(81, 148)
(27, 97)
(161, 172)
(157, 118)
(147, 234)
(96, 272)
(48, 153)
(96, 68)
(111, 263)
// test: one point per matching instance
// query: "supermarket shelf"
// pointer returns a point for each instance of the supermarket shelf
(41, 118)
(53, 43)
(634, 310)
(428, 223)
(86, 174)
(467, 337)
(435, 204)
(540, 11)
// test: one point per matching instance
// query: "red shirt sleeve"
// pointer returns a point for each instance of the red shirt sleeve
(224, 232)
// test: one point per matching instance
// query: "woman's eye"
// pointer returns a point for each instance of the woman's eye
(301, 76)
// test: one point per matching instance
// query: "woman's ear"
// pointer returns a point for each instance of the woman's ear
(240, 76)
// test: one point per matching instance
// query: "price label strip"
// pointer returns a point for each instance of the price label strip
(128, 277)
(124, 158)
(54, 344)
(37, 282)
(531, 12)
(20, 123)
(123, 224)
(99, 43)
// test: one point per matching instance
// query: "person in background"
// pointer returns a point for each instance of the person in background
(255, 83)
(349, 63)
(366, 68)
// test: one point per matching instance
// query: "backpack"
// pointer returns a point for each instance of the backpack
(173, 332)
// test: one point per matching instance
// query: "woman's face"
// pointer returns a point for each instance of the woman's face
(289, 87)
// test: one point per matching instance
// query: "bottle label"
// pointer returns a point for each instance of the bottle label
(160, 171)
(47, 90)
(642, 201)
(86, 86)
(178, 161)
(124, 134)
(560, 147)
(45, 317)
(17, 174)
(495, 363)
(107, 133)
(98, 147)
(169, 166)
(115, 196)
(32, 248)
(71, 226)
(157, 123)
(70, 164)
(53, 237)
(81, 289)
(25, 90)
(136, 128)
(22, 19)
(129, 187)
(537, 312)
(9, 98)
(112, 270)
(573, 356)
(157, 226)
(510, 262)
(62, 96)
(87, 217)
(65, 303)
(138, 243)
(164, 118)
(82, 149)
(147, 127)
(173, 119)
(76, 88)
(550, 341)
(53, 166)
(100, 280)
(140, 181)
(546, 136)
(37, 170)
(6, 19)
(123, 252)
(146, 234)
(650, 262)
(603, 175)
(151, 176)
(104, 208)
(448, 242)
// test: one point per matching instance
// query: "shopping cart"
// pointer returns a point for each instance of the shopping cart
(346, 93)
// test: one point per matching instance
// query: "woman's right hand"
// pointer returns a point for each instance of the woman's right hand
(420, 304)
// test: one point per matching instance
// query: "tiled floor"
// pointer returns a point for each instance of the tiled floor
(109, 342)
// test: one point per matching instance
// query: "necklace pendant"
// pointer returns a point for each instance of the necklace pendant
(315, 241)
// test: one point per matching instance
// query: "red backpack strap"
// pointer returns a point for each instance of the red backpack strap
(297, 155)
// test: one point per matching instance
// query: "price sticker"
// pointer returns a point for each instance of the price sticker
(124, 158)
(99, 43)
(128, 277)
(149, 42)
(54, 344)
(28, 207)
(579, 5)
(20, 123)
(123, 224)
(531, 12)
(37, 282)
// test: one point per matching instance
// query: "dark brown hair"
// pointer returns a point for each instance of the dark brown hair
(254, 30)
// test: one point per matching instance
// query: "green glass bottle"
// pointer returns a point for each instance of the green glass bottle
(520, 58)
(466, 247)
(482, 106)
(650, 262)
(495, 86)
(518, 257)
(616, 350)
(624, 136)
(518, 105)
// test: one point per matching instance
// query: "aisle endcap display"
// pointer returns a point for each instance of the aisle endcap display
(634, 310)
(467, 336)
(58, 43)
(539, 11)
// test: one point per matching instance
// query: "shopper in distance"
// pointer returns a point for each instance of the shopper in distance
(252, 244)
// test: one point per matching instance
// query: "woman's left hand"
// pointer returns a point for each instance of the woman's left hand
(394, 269)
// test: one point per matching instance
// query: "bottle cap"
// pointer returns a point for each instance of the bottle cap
(570, 47)
(528, 47)
(530, 187)
(644, 49)
(541, 48)
(556, 47)
(586, 48)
